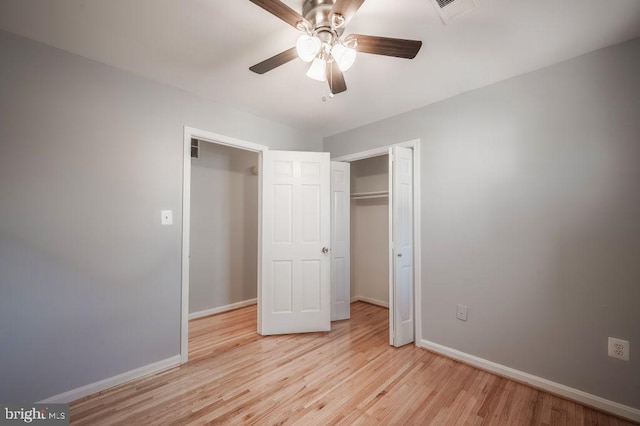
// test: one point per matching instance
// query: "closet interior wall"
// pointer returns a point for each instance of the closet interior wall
(370, 230)
(224, 228)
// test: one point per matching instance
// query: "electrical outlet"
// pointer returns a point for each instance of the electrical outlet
(461, 312)
(619, 348)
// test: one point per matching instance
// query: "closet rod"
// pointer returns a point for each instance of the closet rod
(364, 195)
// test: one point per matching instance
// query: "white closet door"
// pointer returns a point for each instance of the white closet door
(401, 213)
(294, 293)
(340, 241)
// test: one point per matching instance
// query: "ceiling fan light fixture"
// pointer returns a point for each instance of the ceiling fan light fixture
(318, 70)
(344, 56)
(308, 47)
(323, 23)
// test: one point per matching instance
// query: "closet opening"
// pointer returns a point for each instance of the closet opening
(384, 234)
(370, 230)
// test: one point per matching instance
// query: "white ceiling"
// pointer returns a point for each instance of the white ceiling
(207, 46)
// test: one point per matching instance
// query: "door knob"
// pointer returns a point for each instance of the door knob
(325, 250)
(399, 254)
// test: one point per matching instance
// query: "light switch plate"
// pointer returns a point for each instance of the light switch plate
(166, 217)
(461, 312)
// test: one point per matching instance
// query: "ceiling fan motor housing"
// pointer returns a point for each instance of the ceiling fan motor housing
(318, 13)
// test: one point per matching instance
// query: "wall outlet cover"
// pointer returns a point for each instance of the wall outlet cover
(619, 348)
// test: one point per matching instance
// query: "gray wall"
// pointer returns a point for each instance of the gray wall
(223, 262)
(531, 216)
(89, 155)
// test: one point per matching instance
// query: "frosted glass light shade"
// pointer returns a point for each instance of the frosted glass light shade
(344, 56)
(318, 70)
(308, 47)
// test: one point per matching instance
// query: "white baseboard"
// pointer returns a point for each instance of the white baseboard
(221, 309)
(370, 300)
(535, 381)
(90, 389)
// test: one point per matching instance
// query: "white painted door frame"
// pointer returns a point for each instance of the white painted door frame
(384, 150)
(206, 136)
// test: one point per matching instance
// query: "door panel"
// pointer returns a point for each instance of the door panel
(401, 303)
(340, 241)
(310, 213)
(294, 294)
(282, 286)
(282, 219)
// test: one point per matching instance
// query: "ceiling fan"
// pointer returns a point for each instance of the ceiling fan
(323, 23)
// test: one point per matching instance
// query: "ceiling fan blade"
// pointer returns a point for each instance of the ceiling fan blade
(335, 78)
(347, 8)
(387, 46)
(281, 10)
(275, 61)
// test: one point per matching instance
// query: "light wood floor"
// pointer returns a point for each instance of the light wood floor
(348, 376)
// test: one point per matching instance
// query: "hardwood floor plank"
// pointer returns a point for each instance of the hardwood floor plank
(347, 376)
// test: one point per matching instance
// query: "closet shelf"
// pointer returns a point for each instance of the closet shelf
(374, 194)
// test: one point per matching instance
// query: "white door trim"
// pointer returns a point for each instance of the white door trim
(417, 253)
(206, 136)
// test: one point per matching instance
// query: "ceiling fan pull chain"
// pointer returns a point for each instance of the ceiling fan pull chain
(331, 85)
(330, 80)
(324, 86)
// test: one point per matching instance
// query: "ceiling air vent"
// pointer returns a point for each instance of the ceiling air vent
(443, 3)
(449, 9)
